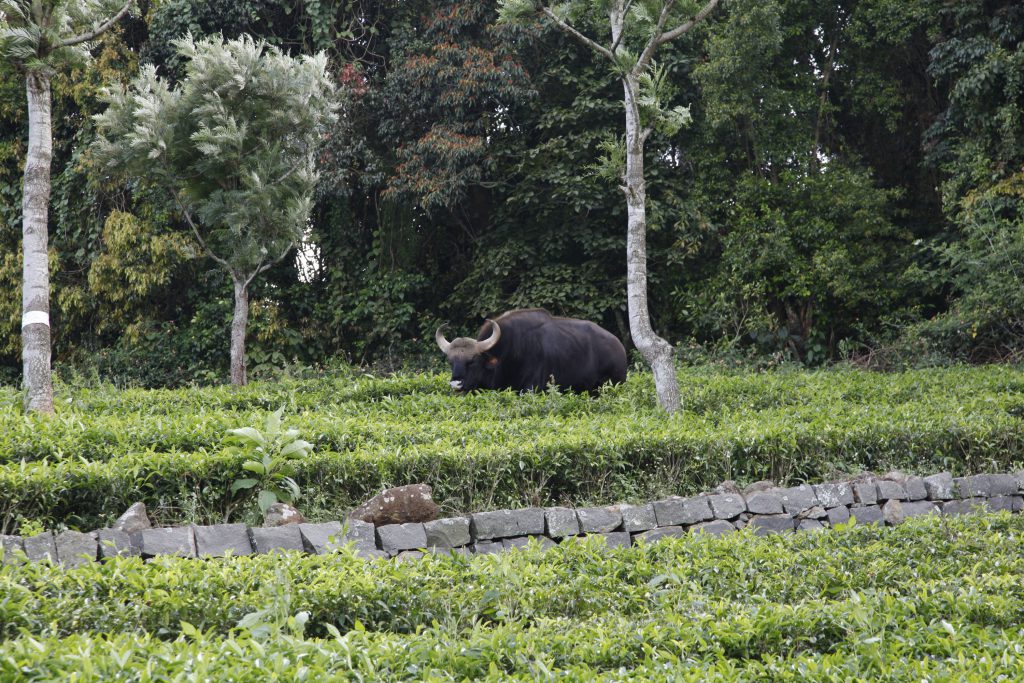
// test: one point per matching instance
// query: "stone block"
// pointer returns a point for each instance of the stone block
(409, 555)
(1017, 503)
(399, 505)
(638, 518)
(320, 539)
(75, 548)
(727, 505)
(717, 527)
(810, 525)
(1002, 485)
(999, 503)
(371, 554)
(892, 512)
(485, 526)
(463, 551)
(218, 540)
(916, 508)
(515, 543)
(890, 490)
(134, 519)
(615, 539)
(1019, 476)
(816, 512)
(770, 524)
(178, 541)
(867, 514)
(865, 492)
(393, 538)
(560, 522)
(939, 486)
(916, 490)
(452, 532)
(487, 547)
(530, 521)
(838, 515)
(13, 549)
(764, 503)
(362, 534)
(974, 486)
(682, 511)
(278, 539)
(40, 547)
(600, 520)
(115, 543)
(796, 499)
(834, 493)
(657, 534)
(964, 507)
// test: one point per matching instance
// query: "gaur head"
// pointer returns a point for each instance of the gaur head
(472, 366)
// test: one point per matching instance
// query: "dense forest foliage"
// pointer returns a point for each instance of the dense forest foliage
(851, 186)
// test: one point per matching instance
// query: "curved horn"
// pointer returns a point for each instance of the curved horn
(441, 341)
(488, 344)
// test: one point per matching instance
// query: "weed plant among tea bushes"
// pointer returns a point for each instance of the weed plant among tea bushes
(938, 599)
(107, 448)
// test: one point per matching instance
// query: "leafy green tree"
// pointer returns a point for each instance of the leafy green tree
(233, 147)
(38, 37)
(637, 30)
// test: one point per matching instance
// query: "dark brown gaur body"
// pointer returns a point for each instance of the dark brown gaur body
(525, 350)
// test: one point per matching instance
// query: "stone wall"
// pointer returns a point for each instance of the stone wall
(886, 499)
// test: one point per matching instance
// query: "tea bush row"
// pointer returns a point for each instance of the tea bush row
(108, 448)
(933, 599)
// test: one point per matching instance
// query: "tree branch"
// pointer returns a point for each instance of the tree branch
(686, 26)
(264, 266)
(625, 10)
(102, 28)
(600, 49)
(654, 42)
(195, 232)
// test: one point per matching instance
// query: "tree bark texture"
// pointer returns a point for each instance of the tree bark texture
(239, 322)
(656, 351)
(35, 298)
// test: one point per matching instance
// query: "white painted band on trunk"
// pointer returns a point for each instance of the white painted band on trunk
(35, 318)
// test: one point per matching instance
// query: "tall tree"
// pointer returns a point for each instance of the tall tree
(637, 30)
(232, 147)
(37, 37)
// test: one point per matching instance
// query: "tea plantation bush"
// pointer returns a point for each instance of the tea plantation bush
(107, 448)
(933, 599)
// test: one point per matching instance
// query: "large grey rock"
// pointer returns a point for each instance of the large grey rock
(323, 538)
(638, 518)
(816, 512)
(13, 549)
(530, 521)
(717, 527)
(838, 515)
(727, 486)
(393, 538)
(522, 542)
(487, 547)
(657, 534)
(278, 539)
(796, 499)
(452, 532)
(280, 514)
(560, 522)
(407, 555)
(974, 486)
(892, 512)
(999, 503)
(810, 525)
(770, 524)
(890, 490)
(913, 487)
(939, 486)
(134, 519)
(115, 543)
(75, 548)
(1002, 485)
(463, 551)
(758, 486)
(865, 492)
(764, 503)
(40, 547)
(599, 520)
(362, 535)
(178, 541)
(218, 540)
(727, 505)
(399, 505)
(834, 493)
(867, 514)
(682, 511)
(1019, 476)
(964, 507)
(615, 539)
(916, 508)
(486, 526)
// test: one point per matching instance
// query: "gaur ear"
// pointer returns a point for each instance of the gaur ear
(492, 362)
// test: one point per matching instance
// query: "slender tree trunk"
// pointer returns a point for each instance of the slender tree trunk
(656, 351)
(35, 297)
(238, 325)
